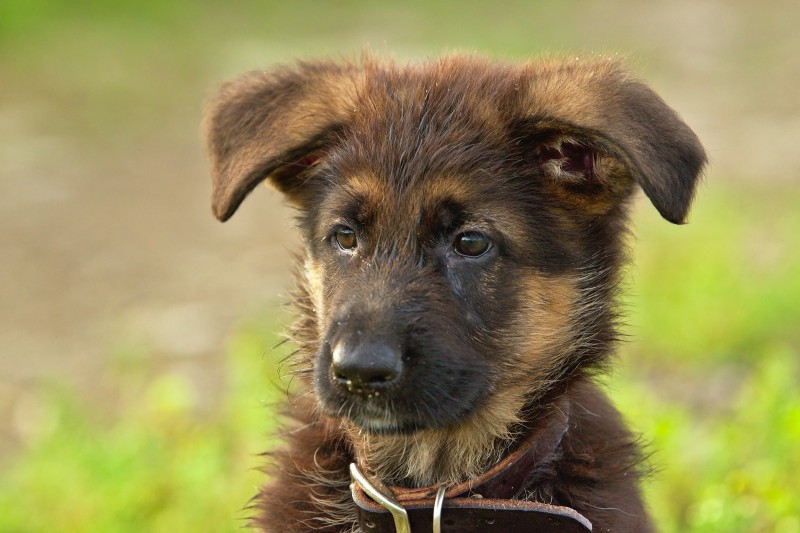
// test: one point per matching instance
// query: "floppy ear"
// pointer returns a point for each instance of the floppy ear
(274, 125)
(595, 124)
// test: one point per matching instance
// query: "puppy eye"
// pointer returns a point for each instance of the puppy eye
(472, 244)
(345, 238)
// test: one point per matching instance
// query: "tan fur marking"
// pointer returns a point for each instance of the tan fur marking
(544, 326)
(373, 190)
(443, 455)
(313, 273)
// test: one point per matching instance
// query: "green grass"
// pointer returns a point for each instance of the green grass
(729, 470)
(710, 375)
(715, 290)
(159, 465)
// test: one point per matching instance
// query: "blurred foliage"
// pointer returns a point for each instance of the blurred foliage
(732, 470)
(160, 465)
(709, 375)
(711, 370)
(723, 284)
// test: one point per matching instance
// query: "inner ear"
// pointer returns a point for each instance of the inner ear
(291, 177)
(567, 159)
(581, 169)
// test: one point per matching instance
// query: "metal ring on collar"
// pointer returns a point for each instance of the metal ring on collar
(437, 509)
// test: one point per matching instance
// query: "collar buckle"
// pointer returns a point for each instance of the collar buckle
(382, 495)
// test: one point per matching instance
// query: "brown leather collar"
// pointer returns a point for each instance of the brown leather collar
(486, 504)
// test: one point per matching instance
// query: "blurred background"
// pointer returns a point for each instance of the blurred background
(138, 359)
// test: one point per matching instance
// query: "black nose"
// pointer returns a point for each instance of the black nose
(366, 367)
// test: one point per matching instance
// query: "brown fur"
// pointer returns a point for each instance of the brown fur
(542, 159)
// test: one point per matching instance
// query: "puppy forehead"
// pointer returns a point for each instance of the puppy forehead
(451, 90)
(372, 199)
(426, 120)
(427, 192)
(424, 140)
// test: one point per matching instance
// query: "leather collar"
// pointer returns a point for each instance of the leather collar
(490, 503)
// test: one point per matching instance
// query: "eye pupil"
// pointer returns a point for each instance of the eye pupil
(472, 244)
(346, 238)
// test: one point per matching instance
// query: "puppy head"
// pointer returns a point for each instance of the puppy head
(461, 222)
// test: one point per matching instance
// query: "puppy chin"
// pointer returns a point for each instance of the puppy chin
(387, 414)
(368, 418)
(383, 426)
(365, 417)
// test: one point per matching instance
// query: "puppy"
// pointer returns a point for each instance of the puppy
(463, 223)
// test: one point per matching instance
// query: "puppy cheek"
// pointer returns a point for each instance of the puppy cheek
(325, 392)
(545, 327)
(313, 274)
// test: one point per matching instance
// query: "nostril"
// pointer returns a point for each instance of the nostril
(364, 384)
(364, 375)
(381, 376)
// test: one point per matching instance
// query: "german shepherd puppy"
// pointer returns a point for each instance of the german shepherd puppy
(463, 222)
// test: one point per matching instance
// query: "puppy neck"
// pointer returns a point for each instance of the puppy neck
(450, 455)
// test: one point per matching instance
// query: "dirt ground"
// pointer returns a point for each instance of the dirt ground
(107, 241)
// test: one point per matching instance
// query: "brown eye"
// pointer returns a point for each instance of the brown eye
(346, 238)
(472, 244)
